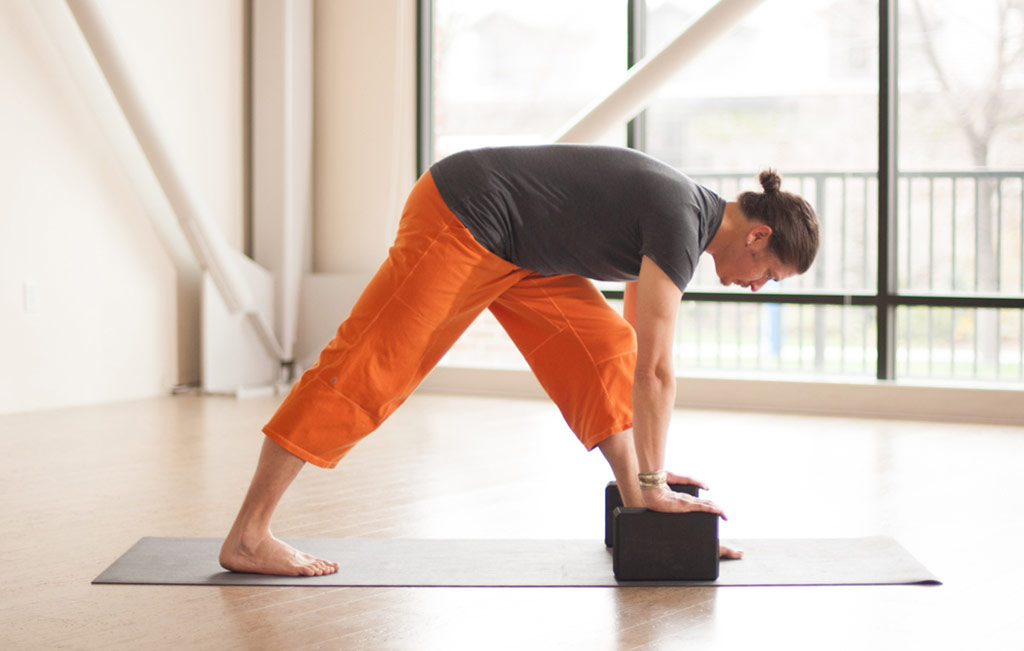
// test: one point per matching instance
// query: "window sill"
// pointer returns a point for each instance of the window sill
(990, 404)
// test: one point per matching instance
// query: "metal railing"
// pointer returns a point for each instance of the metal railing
(824, 322)
(959, 303)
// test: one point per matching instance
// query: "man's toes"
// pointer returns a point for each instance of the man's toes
(324, 567)
(329, 568)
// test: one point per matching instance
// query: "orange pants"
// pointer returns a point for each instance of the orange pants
(436, 280)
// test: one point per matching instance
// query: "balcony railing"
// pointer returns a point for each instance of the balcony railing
(959, 304)
(960, 283)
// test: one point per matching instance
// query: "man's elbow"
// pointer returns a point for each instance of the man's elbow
(655, 376)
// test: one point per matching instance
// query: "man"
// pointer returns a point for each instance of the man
(518, 231)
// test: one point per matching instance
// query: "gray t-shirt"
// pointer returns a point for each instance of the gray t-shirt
(588, 210)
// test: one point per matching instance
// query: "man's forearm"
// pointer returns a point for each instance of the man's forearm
(653, 398)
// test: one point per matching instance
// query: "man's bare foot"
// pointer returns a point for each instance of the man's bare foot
(729, 553)
(268, 555)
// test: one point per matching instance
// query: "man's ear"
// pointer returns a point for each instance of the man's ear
(757, 233)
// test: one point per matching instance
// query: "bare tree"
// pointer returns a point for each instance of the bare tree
(981, 109)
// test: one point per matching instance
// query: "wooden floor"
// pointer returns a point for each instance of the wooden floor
(79, 486)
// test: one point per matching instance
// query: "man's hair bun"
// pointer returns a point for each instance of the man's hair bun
(770, 180)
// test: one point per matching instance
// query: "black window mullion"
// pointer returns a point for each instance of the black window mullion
(637, 49)
(424, 85)
(887, 189)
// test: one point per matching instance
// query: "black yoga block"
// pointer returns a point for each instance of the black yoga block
(653, 546)
(613, 500)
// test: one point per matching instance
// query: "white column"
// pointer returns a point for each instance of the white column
(282, 152)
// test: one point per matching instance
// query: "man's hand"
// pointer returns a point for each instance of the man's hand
(667, 501)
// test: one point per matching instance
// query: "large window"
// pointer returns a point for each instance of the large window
(902, 124)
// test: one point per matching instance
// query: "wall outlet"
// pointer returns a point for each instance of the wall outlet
(31, 297)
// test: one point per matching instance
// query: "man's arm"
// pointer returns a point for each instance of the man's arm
(654, 383)
(651, 305)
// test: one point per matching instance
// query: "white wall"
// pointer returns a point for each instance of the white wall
(106, 321)
(112, 321)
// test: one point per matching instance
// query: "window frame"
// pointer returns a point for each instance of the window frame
(885, 299)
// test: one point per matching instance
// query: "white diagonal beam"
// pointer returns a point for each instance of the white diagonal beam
(204, 239)
(644, 79)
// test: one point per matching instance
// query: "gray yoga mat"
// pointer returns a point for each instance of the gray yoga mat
(518, 563)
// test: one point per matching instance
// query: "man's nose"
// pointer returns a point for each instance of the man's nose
(757, 284)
